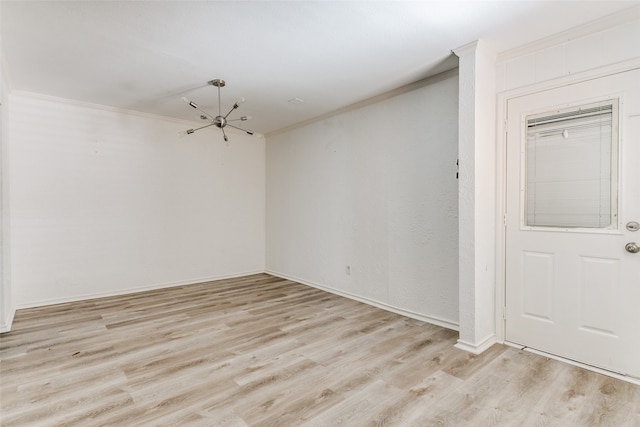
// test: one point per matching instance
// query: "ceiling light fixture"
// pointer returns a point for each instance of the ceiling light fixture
(220, 121)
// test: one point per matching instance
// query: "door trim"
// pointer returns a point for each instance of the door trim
(501, 164)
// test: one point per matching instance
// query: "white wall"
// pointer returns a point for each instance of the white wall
(607, 41)
(373, 188)
(105, 202)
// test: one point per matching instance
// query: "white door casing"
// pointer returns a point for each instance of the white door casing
(574, 291)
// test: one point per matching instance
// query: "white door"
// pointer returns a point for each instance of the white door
(573, 204)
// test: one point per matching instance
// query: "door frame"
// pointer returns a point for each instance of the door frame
(501, 166)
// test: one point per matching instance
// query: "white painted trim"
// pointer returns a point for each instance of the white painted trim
(601, 24)
(466, 48)
(133, 290)
(501, 209)
(6, 325)
(591, 368)
(407, 313)
(485, 344)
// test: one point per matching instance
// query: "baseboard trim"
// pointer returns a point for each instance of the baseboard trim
(5, 326)
(403, 312)
(134, 290)
(476, 348)
(591, 368)
(413, 315)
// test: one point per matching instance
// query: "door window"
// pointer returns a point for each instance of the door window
(571, 167)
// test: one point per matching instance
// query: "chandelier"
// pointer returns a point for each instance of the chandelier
(219, 121)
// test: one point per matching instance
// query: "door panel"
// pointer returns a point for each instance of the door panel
(571, 287)
(537, 285)
(599, 286)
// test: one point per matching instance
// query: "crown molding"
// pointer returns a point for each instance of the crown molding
(100, 107)
(373, 100)
(466, 49)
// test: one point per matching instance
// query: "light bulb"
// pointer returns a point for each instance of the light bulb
(238, 102)
(191, 103)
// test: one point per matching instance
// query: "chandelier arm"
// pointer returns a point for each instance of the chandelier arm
(243, 118)
(247, 131)
(235, 105)
(224, 134)
(194, 105)
(190, 131)
(209, 116)
(231, 111)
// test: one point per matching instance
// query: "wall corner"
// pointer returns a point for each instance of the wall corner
(477, 195)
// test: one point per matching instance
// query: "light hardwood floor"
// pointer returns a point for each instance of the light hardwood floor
(263, 351)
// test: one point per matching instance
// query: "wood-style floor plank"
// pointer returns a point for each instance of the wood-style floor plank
(264, 351)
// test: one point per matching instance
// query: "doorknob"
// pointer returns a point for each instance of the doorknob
(631, 247)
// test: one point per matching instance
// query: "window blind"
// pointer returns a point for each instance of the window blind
(571, 168)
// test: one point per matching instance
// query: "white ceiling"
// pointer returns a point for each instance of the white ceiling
(146, 55)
